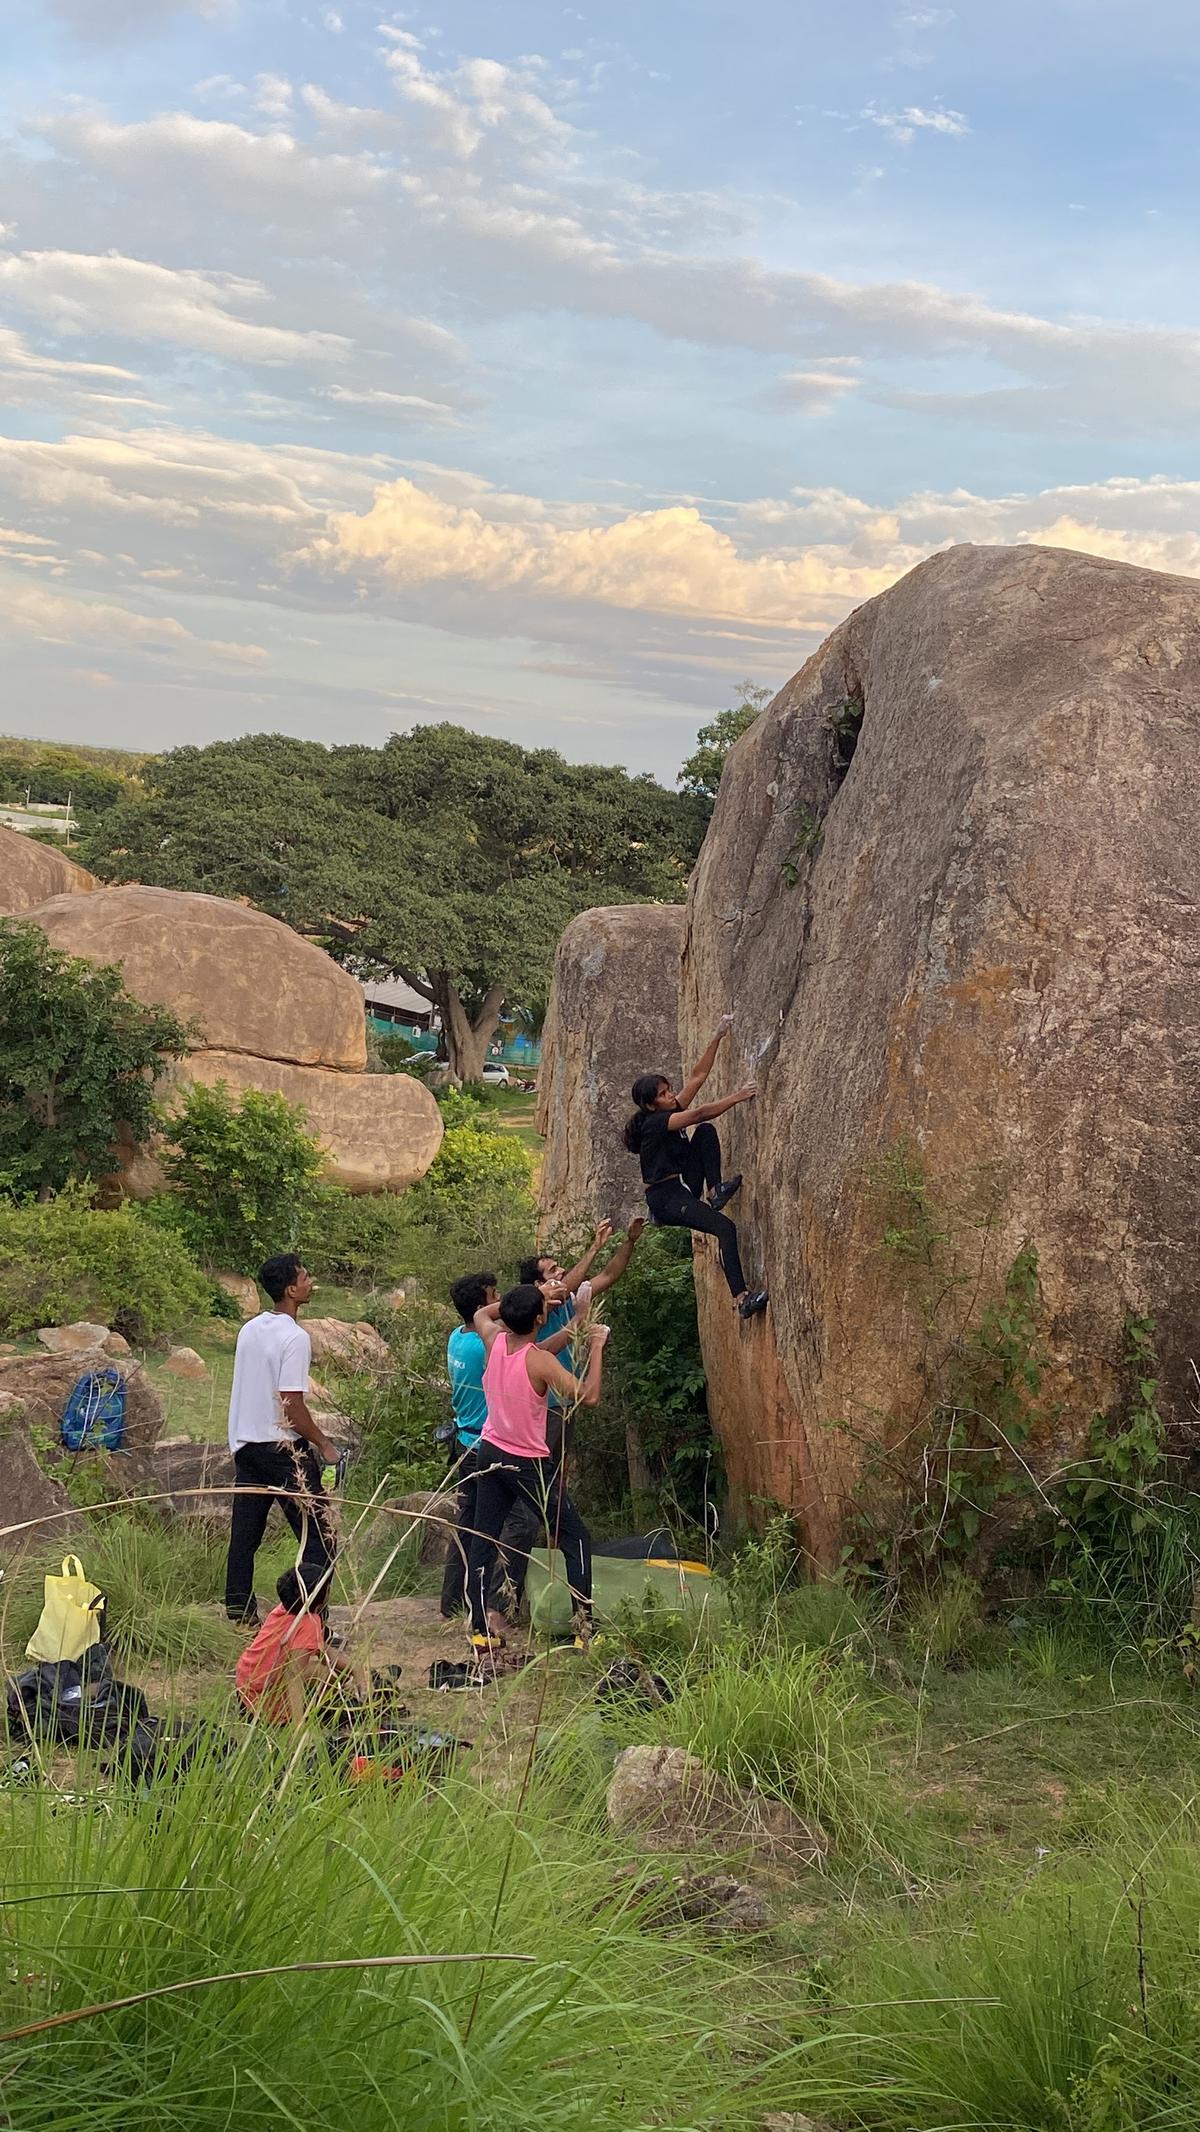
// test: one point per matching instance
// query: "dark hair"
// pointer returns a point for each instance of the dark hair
(529, 1272)
(521, 1307)
(645, 1094)
(470, 1293)
(279, 1273)
(299, 1597)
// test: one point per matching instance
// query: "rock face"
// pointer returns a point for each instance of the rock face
(612, 1016)
(36, 1510)
(950, 891)
(252, 984)
(243, 1290)
(381, 1131)
(274, 1013)
(31, 873)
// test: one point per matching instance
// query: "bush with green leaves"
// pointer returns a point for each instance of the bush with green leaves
(654, 1378)
(399, 1414)
(246, 1180)
(64, 1259)
(78, 1062)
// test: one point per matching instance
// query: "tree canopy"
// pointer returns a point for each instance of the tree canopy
(701, 773)
(451, 858)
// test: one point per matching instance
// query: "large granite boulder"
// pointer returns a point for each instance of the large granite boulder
(273, 1013)
(380, 1131)
(250, 983)
(30, 873)
(612, 1015)
(951, 892)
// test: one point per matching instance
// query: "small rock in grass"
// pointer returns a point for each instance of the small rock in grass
(72, 1339)
(185, 1362)
(243, 1290)
(116, 1344)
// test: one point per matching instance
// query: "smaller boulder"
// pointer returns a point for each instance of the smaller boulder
(50, 1379)
(243, 1290)
(37, 1509)
(425, 1519)
(116, 1344)
(669, 1800)
(355, 1347)
(185, 1362)
(73, 1339)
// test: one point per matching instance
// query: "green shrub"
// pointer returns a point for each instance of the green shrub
(361, 1239)
(398, 1416)
(66, 1259)
(245, 1177)
(78, 1062)
(944, 1622)
(469, 1163)
(655, 1383)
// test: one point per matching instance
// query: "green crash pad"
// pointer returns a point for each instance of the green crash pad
(614, 1578)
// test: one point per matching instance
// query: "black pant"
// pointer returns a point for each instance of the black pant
(506, 1585)
(289, 1475)
(676, 1204)
(505, 1482)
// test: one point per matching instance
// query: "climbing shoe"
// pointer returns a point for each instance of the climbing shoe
(250, 1620)
(721, 1194)
(484, 1645)
(751, 1305)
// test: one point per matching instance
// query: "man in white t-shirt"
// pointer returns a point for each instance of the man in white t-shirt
(278, 1449)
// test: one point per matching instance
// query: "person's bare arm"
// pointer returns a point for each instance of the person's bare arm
(705, 1063)
(573, 1391)
(487, 1325)
(295, 1407)
(700, 1113)
(619, 1261)
(578, 1274)
(557, 1341)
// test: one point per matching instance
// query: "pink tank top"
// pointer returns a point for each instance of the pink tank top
(516, 1413)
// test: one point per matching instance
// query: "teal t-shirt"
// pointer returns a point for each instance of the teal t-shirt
(563, 1314)
(466, 1356)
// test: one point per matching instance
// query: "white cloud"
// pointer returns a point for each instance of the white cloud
(903, 126)
(333, 21)
(409, 403)
(30, 378)
(52, 617)
(272, 95)
(83, 293)
(818, 391)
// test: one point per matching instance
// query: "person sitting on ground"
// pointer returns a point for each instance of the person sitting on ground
(515, 1463)
(289, 1663)
(680, 1154)
(279, 1451)
(466, 1357)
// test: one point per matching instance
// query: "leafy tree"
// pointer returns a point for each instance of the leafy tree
(451, 858)
(246, 1179)
(701, 773)
(47, 773)
(78, 1062)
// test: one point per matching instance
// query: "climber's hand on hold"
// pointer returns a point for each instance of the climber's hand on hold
(746, 1094)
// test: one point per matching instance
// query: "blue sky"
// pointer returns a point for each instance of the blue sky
(553, 368)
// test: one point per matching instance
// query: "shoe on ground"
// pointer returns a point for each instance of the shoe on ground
(247, 1621)
(721, 1195)
(484, 1645)
(753, 1304)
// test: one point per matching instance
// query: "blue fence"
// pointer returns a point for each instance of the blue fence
(521, 1053)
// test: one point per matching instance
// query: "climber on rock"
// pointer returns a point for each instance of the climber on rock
(680, 1152)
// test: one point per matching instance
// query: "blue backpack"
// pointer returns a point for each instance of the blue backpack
(94, 1415)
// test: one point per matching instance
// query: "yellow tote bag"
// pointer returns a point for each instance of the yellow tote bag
(70, 1620)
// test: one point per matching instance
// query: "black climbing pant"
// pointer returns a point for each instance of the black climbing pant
(534, 1484)
(289, 1475)
(676, 1202)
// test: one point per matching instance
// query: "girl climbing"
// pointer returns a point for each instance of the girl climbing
(680, 1153)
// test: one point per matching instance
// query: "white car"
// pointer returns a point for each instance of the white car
(495, 1075)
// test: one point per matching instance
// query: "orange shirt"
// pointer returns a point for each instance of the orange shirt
(260, 1668)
